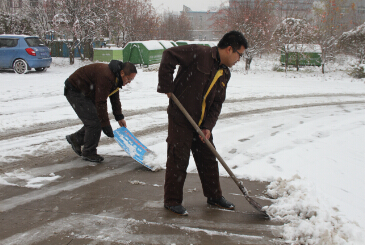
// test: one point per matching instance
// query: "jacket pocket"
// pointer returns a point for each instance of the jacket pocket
(203, 67)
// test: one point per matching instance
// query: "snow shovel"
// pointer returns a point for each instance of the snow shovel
(253, 203)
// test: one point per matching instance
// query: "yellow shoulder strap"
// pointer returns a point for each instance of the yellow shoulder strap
(217, 75)
(116, 81)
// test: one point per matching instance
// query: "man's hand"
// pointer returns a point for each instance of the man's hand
(108, 131)
(122, 123)
(206, 132)
(168, 95)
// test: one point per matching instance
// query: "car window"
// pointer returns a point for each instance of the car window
(8, 42)
(34, 42)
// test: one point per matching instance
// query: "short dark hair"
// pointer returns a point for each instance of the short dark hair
(129, 68)
(235, 39)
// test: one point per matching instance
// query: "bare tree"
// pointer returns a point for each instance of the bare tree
(331, 19)
(77, 21)
(254, 19)
(290, 31)
(13, 19)
(130, 20)
(39, 19)
(353, 42)
(143, 22)
(335, 16)
(175, 27)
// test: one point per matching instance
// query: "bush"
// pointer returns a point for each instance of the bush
(278, 68)
(357, 71)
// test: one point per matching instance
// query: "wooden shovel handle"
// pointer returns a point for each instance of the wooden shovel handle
(253, 203)
(211, 147)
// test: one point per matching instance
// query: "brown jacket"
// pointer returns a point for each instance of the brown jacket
(198, 66)
(96, 82)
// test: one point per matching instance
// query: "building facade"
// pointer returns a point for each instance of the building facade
(303, 8)
(201, 23)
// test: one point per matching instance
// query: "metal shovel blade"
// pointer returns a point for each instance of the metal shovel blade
(253, 203)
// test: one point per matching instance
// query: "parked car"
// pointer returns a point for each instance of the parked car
(22, 53)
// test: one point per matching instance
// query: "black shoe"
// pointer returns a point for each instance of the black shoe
(221, 202)
(76, 147)
(180, 210)
(93, 158)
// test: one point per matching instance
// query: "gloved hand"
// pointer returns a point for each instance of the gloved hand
(108, 131)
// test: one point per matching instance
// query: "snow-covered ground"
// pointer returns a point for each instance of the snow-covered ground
(302, 131)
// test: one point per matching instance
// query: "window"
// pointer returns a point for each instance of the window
(8, 43)
(16, 3)
(34, 42)
(33, 3)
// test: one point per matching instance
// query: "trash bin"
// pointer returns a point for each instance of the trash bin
(302, 54)
(143, 53)
(108, 54)
(182, 42)
(167, 44)
(60, 49)
(203, 43)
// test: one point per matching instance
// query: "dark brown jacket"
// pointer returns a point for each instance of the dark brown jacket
(198, 66)
(96, 82)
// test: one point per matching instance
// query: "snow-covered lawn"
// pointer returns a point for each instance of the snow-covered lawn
(303, 131)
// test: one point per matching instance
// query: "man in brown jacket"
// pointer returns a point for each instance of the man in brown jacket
(200, 85)
(87, 90)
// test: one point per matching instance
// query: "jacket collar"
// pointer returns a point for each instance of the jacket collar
(215, 55)
(116, 66)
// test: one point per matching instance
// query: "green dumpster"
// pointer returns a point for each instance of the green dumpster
(181, 42)
(143, 53)
(167, 44)
(108, 54)
(203, 43)
(212, 44)
(302, 54)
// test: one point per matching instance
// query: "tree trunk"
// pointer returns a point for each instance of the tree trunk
(286, 61)
(91, 51)
(248, 63)
(72, 55)
(297, 62)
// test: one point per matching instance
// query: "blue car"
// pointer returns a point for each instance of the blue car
(22, 53)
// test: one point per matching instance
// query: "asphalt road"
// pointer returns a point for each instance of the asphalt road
(121, 202)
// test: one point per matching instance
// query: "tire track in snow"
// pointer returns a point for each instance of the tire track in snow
(18, 159)
(283, 108)
(41, 127)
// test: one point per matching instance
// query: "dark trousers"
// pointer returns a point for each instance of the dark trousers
(181, 139)
(89, 134)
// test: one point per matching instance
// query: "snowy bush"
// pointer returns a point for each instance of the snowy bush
(357, 71)
(278, 68)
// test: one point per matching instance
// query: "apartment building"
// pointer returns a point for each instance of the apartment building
(201, 23)
(18, 4)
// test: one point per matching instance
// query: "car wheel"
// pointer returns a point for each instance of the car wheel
(20, 66)
(41, 69)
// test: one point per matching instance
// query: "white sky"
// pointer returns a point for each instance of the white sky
(177, 5)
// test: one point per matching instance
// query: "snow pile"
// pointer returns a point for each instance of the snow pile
(309, 220)
(136, 182)
(155, 161)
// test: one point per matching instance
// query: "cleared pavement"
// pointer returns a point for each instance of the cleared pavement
(121, 202)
